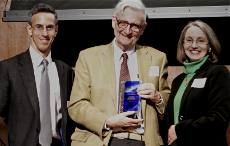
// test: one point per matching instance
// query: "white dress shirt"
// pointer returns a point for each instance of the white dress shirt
(55, 99)
(134, 75)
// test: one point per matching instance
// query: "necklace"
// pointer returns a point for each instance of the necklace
(186, 81)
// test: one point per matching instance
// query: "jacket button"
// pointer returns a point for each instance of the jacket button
(37, 130)
(181, 118)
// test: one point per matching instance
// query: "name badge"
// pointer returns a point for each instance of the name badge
(154, 71)
(199, 83)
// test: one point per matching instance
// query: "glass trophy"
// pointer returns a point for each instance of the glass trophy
(131, 100)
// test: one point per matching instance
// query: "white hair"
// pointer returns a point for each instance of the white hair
(133, 4)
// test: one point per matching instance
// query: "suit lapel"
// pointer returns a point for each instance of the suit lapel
(199, 74)
(178, 83)
(63, 92)
(144, 62)
(108, 68)
(27, 73)
(62, 83)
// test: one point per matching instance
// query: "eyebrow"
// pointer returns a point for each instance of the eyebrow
(197, 37)
(130, 22)
(45, 25)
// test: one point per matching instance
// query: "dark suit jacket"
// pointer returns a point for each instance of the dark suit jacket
(204, 112)
(19, 105)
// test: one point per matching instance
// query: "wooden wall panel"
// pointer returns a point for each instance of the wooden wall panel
(173, 71)
(13, 40)
(3, 132)
(13, 35)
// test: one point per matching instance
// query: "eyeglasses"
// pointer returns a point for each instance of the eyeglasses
(133, 26)
(39, 28)
(199, 42)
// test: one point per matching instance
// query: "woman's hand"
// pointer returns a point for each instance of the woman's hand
(171, 135)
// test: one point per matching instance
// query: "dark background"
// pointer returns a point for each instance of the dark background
(162, 34)
(106, 4)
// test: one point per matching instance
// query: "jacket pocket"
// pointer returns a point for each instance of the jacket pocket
(80, 135)
(160, 140)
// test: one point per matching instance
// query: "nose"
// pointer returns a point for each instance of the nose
(44, 32)
(127, 29)
(194, 44)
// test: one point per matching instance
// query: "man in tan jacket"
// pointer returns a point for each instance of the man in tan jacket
(94, 98)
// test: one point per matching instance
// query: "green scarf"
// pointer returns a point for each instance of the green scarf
(190, 70)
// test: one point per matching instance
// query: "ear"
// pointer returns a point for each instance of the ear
(56, 30)
(209, 50)
(113, 22)
(143, 28)
(29, 30)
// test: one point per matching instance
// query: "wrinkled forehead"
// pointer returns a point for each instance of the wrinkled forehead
(131, 15)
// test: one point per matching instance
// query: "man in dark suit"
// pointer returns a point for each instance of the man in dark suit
(34, 89)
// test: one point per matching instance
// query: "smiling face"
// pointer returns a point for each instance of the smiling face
(194, 51)
(125, 37)
(42, 40)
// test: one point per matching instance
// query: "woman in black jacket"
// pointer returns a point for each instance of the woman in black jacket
(199, 105)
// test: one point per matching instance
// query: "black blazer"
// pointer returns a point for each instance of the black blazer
(204, 112)
(19, 105)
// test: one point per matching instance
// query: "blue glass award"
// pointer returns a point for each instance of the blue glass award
(131, 98)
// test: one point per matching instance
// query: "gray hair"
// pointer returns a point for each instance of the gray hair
(133, 4)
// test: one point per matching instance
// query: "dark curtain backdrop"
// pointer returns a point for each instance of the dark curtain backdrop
(162, 34)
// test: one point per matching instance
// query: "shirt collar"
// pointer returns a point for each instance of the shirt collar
(37, 58)
(119, 52)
